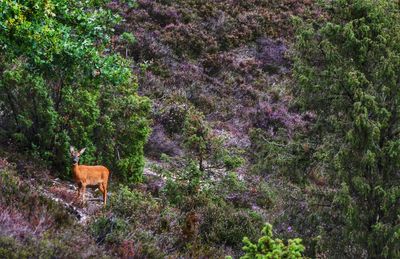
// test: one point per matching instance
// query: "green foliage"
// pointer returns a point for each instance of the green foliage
(225, 225)
(192, 191)
(268, 247)
(207, 153)
(109, 230)
(132, 204)
(243, 194)
(61, 86)
(10, 187)
(288, 156)
(125, 227)
(204, 146)
(173, 116)
(348, 73)
(182, 183)
(266, 196)
(232, 183)
(9, 248)
(128, 38)
(130, 3)
(197, 134)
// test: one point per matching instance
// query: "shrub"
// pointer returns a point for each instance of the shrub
(173, 117)
(264, 196)
(206, 147)
(232, 183)
(147, 246)
(243, 194)
(183, 183)
(9, 248)
(109, 230)
(267, 247)
(277, 154)
(225, 225)
(133, 205)
(60, 86)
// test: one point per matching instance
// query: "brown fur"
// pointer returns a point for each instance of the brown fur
(85, 175)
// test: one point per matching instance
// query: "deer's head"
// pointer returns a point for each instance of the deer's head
(75, 154)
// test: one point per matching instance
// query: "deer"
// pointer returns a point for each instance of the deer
(85, 175)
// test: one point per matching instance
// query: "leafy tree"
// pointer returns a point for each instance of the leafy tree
(348, 72)
(61, 84)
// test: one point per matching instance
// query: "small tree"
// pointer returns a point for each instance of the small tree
(204, 146)
(197, 136)
(268, 247)
(206, 152)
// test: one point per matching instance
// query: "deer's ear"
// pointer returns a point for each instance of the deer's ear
(71, 149)
(82, 150)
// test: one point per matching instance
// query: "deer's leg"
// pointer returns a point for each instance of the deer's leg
(78, 192)
(83, 192)
(103, 189)
(105, 194)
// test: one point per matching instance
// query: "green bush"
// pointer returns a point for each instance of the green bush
(205, 146)
(9, 248)
(133, 205)
(243, 194)
(60, 85)
(265, 196)
(225, 225)
(173, 116)
(268, 247)
(174, 192)
(183, 183)
(232, 183)
(278, 153)
(130, 226)
(147, 246)
(109, 230)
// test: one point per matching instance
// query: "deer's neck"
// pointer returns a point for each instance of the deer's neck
(75, 168)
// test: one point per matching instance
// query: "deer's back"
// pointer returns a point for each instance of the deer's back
(92, 174)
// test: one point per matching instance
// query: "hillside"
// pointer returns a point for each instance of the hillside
(37, 218)
(229, 59)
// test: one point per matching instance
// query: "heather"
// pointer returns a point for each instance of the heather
(229, 59)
